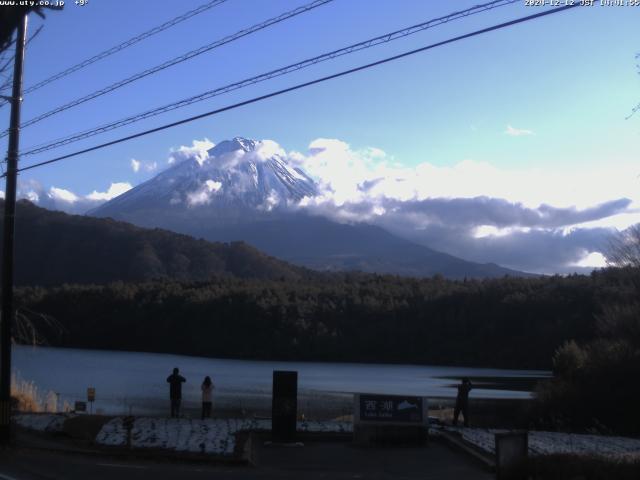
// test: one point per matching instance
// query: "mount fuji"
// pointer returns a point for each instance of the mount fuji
(245, 190)
(238, 182)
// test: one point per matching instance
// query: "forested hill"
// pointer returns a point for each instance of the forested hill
(53, 248)
(509, 322)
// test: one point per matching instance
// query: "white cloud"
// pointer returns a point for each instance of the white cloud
(347, 175)
(484, 231)
(376, 152)
(517, 132)
(272, 201)
(198, 150)
(592, 260)
(204, 194)
(321, 144)
(113, 191)
(137, 165)
(213, 186)
(32, 196)
(267, 149)
(56, 198)
(340, 170)
(62, 195)
(619, 221)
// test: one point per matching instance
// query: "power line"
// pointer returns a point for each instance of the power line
(174, 61)
(125, 44)
(388, 37)
(302, 85)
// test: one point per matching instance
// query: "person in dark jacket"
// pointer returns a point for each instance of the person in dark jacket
(175, 381)
(462, 402)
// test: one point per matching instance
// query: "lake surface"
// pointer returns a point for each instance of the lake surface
(134, 382)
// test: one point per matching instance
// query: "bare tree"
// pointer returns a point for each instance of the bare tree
(35, 328)
(10, 16)
(635, 109)
(6, 64)
(624, 248)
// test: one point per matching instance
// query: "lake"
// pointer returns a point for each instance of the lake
(135, 382)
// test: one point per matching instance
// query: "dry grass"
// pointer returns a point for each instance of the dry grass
(27, 397)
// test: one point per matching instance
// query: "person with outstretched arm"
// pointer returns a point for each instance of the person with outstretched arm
(175, 381)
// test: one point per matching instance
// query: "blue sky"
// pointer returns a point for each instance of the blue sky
(548, 97)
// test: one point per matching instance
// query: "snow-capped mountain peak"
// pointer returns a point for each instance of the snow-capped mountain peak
(233, 145)
(239, 177)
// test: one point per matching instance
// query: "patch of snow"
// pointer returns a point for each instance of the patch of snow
(211, 436)
(112, 433)
(547, 443)
(42, 422)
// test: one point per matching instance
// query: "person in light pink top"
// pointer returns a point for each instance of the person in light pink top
(207, 397)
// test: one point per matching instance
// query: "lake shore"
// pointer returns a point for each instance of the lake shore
(135, 383)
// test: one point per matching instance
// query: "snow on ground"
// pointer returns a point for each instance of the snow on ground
(213, 436)
(546, 443)
(217, 436)
(42, 422)
(112, 433)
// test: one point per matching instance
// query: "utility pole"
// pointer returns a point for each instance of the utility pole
(7, 309)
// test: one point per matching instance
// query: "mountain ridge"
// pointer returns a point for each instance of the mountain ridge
(54, 248)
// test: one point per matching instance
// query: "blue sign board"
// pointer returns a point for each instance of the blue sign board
(391, 408)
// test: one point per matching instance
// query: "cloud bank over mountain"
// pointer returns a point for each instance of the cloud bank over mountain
(531, 220)
(526, 219)
(55, 198)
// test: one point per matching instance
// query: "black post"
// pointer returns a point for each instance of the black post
(6, 312)
(284, 406)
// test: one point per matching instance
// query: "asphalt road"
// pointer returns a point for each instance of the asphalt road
(313, 461)
(35, 465)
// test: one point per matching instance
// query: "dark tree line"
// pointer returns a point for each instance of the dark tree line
(596, 383)
(510, 322)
